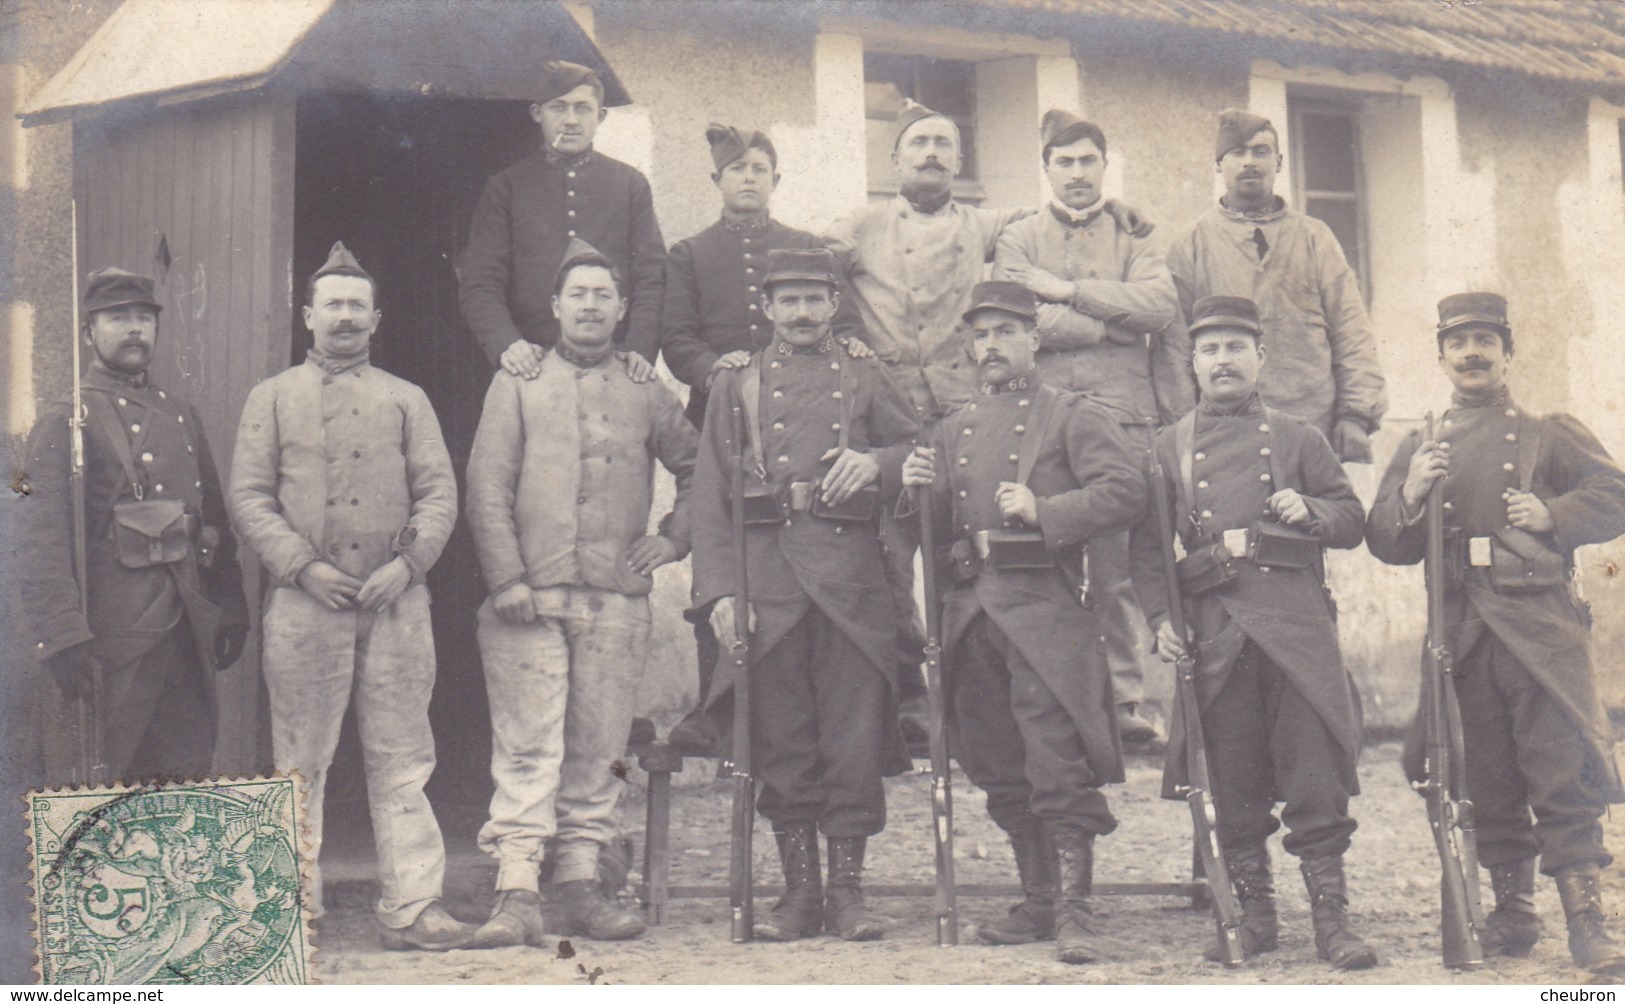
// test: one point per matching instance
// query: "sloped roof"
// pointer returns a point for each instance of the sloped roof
(1581, 41)
(164, 51)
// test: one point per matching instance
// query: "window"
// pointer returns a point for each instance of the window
(1325, 161)
(947, 86)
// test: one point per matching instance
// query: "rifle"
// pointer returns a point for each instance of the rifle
(89, 709)
(1198, 785)
(744, 801)
(942, 795)
(1450, 814)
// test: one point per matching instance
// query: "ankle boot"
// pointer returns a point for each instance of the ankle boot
(798, 914)
(1328, 906)
(845, 913)
(1255, 887)
(1512, 928)
(1589, 942)
(1033, 919)
(1075, 940)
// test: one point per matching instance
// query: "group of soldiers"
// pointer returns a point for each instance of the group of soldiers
(839, 386)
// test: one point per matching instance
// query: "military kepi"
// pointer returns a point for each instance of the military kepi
(560, 78)
(114, 287)
(1236, 127)
(728, 144)
(803, 264)
(1221, 311)
(1061, 127)
(1000, 294)
(341, 262)
(1458, 309)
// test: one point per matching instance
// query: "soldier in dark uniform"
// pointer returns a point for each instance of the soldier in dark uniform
(166, 606)
(825, 435)
(711, 317)
(1258, 494)
(1040, 471)
(1522, 491)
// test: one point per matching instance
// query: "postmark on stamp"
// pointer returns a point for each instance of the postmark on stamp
(192, 882)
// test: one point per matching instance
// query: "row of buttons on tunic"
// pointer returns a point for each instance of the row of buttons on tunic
(570, 193)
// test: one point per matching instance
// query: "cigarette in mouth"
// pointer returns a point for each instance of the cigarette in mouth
(556, 140)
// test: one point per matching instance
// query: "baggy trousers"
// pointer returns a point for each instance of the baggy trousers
(1015, 740)
(1122, 622)
(562, 693)
(317, 662)
(818, 730)
(1524, 753)
(1265, 744)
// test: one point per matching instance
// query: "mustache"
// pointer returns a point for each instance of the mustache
(993, 357)
(1474, 363)
(1222, 371)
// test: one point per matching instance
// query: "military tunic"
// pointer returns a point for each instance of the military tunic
(153, 629)
(522, 227)
(712, 300)
(1523, 664)
(1279, 709)
(823, 669)
(1045, 744)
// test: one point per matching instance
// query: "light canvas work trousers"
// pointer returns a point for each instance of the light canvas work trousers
(317, 661)
(562, 690)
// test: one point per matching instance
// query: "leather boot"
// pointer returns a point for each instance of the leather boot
(434, 930)
(1033, 919)
(1512, 928)
(845, 913)
(1589, 943)
(1328, 907)
(516, 919)
(581, 909)
(798, 914)
(1074, 912)
(1255, 888)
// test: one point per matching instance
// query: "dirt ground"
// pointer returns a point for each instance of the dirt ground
(1393, 881)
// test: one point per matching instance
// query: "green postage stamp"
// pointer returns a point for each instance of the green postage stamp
(172, 883)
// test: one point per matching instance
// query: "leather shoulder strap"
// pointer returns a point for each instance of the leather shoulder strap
(1184, 449)
(1529, 429)
(750, 400)
(121, 444)
(1032, 441)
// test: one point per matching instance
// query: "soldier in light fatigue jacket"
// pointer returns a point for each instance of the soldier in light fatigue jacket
(1521, 492)
(1256, 495)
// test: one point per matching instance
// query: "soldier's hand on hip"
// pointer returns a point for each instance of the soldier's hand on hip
(385, 585)
(1351, 442)
(523, 359)
(918, 471)
(722, 621)
(638, 368)
(852, 470)
(1429, 463)
(332, 587)
(1170, 646)
(1017, 502)
(228, 646)
(648, 553)
(1289, 507)
(74, 669)
(1526, 512)
(515, 604)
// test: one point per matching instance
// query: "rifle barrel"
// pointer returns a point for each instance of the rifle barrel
(740, 880)
(942, 799)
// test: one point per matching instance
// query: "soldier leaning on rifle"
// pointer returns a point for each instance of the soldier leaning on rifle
(1258, 494)
(559, 485)
(166, 606)
(823, 444)
(711, 320)
(1521, 492)
(1028, 475)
